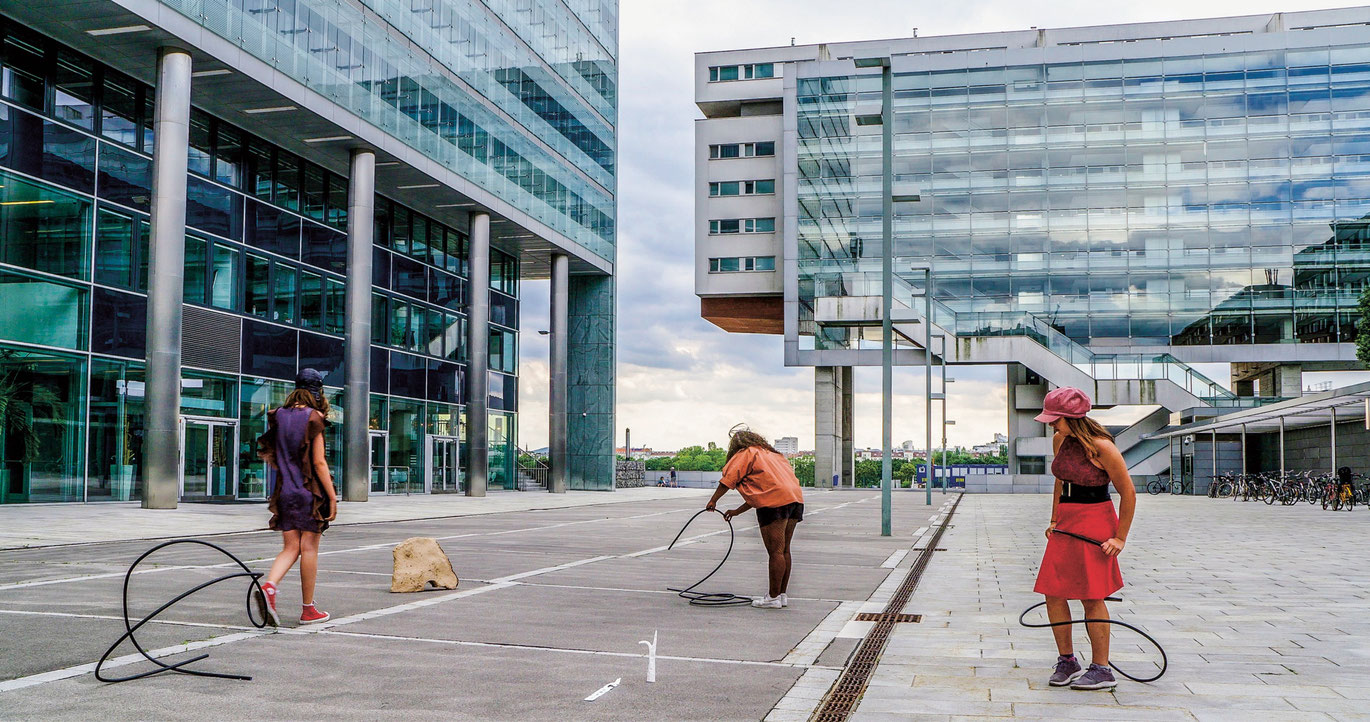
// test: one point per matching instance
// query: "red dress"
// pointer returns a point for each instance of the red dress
(1073, 568)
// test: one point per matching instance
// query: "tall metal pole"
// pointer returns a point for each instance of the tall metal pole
(361, 213)
(944, 410)
(556, 443)
(887, 294)
(166, 277)
(927, 366)
(1213, 436)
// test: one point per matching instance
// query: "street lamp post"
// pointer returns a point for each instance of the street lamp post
(885, 119)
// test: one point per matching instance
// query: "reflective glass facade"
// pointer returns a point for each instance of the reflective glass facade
(264, 290)
(1161, 200)
(546, 65)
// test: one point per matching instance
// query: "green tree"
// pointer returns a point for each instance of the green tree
(1363, 328)
(803, 469)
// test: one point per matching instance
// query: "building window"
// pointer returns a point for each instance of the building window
(725, 151)
(742, 188)
(727, 226)
(741, 264)
(750, 71)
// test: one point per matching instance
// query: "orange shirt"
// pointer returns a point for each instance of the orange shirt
(763, 478)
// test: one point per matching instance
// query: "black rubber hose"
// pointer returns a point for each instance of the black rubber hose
(1165, 662)
(709, 599)
(253, 587)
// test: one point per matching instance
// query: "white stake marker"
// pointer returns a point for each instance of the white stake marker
(651, 657)
(603, 690)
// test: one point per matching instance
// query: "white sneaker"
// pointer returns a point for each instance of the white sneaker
(767, 602)
(784, 600)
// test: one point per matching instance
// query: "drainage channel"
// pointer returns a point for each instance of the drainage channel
(847, 690)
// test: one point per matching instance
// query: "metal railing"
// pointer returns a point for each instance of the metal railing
(1107, 367)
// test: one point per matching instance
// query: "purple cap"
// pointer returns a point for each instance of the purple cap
(1065, 402)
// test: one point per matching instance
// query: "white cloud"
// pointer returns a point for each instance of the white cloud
(681, 380)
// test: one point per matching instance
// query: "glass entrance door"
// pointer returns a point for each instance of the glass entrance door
(380, 452)
(209, 458)
(443, 467)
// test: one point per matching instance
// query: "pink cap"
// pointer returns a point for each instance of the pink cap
(1067, 401)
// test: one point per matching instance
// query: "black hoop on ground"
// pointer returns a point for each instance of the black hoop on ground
(709, 599)
(1165, 662)
(130, 628)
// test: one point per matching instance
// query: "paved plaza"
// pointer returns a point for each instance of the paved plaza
(1261, 609)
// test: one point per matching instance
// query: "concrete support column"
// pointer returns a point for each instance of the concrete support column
(478, 359)
(556, 422)
(827, 432)
(590, 385)
(361, 214)
(166, 271)
(847, 449)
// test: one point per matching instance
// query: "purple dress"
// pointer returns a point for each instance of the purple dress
(298, 502)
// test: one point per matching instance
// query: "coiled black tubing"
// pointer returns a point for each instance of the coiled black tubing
(1022, 619)
(181, 666)
(709, 599)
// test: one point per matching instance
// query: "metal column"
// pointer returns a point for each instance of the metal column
(1243, 450)
(556, 393)
(1334, 439)
(1212, 479)
(478, 359)
(361, 214)
(927, 374)
(166, 272)
(1281, 447)
(886, 294)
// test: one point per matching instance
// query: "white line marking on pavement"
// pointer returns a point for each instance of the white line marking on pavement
(69, 615)
(80, 669)
(603, 690)
(546, 570)
(894, 559)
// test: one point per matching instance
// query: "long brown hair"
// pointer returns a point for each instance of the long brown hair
(305, 397)
(1088, 432)
(746, 439)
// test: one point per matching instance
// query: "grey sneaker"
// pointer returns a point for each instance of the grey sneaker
(1067, 670)
(1096, 677)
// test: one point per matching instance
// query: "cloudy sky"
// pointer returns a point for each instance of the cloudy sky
(681, 380)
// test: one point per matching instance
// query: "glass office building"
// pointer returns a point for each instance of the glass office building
(1182, 192)
(524, 128)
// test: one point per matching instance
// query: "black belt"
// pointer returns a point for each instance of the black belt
(1076, 494)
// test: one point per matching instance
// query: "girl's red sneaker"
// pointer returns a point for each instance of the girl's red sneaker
(310, 614)
(267, 603)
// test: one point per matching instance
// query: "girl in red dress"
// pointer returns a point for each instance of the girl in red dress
(1086, 462)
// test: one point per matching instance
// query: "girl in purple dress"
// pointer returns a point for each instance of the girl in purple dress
(303, 500)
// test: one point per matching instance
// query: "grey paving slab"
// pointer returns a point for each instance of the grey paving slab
(1262, 612)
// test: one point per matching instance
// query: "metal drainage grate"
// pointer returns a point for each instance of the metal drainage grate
(846, 692)
(882, 616)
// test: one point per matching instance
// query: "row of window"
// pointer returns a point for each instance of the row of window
(743, 263)
(748, 71)
(741, 225)
(760, 149)
(742, 188)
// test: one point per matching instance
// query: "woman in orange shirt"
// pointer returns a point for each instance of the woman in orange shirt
(767, 483)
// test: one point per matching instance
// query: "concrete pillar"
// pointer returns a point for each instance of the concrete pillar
(1024, 403)
(848, 435)
(361, 214)
(478, 359)
(1286, 381)
(556, 422)
(166, 272)
(827, 432)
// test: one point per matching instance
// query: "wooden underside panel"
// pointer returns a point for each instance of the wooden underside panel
(745, 314)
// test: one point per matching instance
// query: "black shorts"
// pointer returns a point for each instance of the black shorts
(766, 515)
